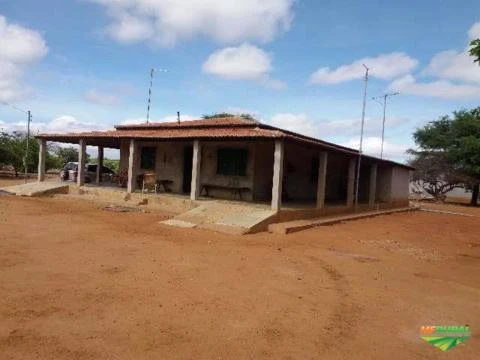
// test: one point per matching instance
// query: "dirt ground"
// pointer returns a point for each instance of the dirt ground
(81, 282)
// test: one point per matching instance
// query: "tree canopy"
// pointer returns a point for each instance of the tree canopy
(225, 114)
(457, 138)
(12, 151)
(475, 50)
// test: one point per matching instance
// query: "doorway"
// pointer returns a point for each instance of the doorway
(187, 168)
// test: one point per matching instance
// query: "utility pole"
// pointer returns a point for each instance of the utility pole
(152, 71)
(384, 96)
(25, 159)
(357, 183)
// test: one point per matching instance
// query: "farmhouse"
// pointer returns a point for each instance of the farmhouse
(241, 159)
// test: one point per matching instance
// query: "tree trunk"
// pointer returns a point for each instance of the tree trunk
(475, 190)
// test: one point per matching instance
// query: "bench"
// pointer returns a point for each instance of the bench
(235, 190)
(167, 184)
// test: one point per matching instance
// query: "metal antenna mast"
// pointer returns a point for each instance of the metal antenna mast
(361, 134)
(152, 71)
(25, 159)
(384, 96)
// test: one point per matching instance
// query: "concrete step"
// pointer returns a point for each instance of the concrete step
(299, 225)
(224, 217)
(37, 189)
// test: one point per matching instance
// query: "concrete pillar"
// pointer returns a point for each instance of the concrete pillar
(42, 154)
(373, 184)
(322, 179)
(196, 164)
(277, 175)
(351, 181)
(132, 176)
(82, 156)
(99, 165)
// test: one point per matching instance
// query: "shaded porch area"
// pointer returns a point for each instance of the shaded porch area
(287, 175)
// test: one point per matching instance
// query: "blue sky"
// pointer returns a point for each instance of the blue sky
(81, 65)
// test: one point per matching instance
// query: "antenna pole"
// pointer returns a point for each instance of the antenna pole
(384, 97)
(357, 183)
(25, 159)
(383, 123)
(152, 70)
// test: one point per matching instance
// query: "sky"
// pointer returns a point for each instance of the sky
(297, 64)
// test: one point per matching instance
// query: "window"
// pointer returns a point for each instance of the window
(232, 162)
(147, 158)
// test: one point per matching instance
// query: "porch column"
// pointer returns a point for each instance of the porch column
(41, 159)
(373, 184)
(277, 175)
(82, 155)
(196, 164)
(132, 176)
(322, 177)
(99, 165)
(351, 181)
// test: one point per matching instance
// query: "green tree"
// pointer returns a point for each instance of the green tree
(475, 50)
(435, 173)
(458, 138)
(66, 154)
(112, 164)
(12, 151)
(226, 115)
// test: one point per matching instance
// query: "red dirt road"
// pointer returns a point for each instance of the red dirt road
(79, 282)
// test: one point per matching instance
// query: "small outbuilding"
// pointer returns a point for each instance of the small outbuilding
(245, 160)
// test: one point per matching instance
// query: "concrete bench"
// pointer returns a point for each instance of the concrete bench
(235, 190)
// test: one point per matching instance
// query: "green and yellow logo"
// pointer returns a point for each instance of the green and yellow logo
(445, 337)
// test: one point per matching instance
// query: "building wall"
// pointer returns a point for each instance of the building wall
(364, 183)
(392, 182)
(384, 184)
(168, 162)
(299, 183)
(169, 165)
(400, 184)
(263, 171)
(337, 179)
(124, 151)
(208, 171)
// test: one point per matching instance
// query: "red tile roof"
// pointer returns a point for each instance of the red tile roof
(225, 128)
(233, 121)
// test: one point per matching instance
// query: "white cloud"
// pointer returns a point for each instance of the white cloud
(19, 47)
(168, 118)
(440, 88)
(245, 62)
(372, 146)
(385, 66)
(96, 97)
(58, 125)
(130, 29)
(226, 21)
(299, 123)
(474, 32)
(303, 124)
(454, 65)
(330, 130)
